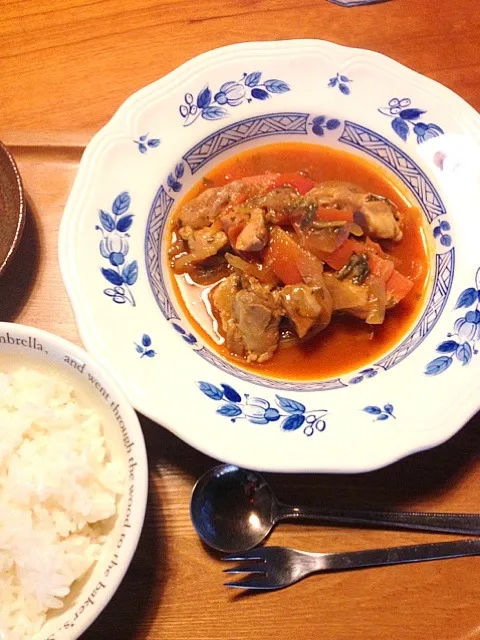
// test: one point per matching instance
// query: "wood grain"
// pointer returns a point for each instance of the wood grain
(65, 67)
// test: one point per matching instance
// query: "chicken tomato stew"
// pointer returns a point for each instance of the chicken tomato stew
(298, 261)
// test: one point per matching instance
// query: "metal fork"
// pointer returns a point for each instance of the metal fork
(279, 567)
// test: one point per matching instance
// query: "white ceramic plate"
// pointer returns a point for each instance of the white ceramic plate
(160, 143)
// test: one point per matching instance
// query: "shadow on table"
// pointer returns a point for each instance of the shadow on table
(415, 478)
(127, 614)
(18, 279)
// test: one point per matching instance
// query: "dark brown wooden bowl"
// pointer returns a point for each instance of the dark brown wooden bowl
(12, 207)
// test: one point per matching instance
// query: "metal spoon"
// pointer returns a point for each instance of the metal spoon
(233, 510)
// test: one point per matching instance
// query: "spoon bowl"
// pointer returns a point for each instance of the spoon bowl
(232, 509)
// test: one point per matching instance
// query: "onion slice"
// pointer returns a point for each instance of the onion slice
(263, 273)
(377, 300)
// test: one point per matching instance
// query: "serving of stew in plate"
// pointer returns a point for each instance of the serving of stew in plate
(299, 261)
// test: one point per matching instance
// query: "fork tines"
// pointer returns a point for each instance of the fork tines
(252, 568)
(249, 582)
(255, 567)
(253, 554)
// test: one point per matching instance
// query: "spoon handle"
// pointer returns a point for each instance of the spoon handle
(458, 523)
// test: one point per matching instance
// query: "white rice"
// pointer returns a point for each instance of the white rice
(57, 484)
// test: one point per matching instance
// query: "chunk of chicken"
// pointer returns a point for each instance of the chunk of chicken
(305, 307)
(222, 299)
(379, 219)
(249, 317)
(202, 244)
(377, 216)
(277, 204)
(206, 207)
(258, 318)
(233, 222)
(335, 193)
(254, 235)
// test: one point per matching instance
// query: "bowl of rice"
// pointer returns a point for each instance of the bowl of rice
(73, 486)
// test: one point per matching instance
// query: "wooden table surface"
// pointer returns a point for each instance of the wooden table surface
(65, 67)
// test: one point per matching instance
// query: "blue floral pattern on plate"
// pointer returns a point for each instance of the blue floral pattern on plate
(144, 143)
(114, 247)
(212, 106)
(370, 372)
(320, 125)
(188, 337)
(440, 232)
(144, 347)
(404, 117)
(380, 413)
(341, 82)
(462, 343)
(173, 180)
(293, 414)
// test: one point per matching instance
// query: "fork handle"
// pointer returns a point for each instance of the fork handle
(396, 555)
(457, 523)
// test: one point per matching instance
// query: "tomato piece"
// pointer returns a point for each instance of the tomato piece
(290, 263)
(379, 267)
(281, 255)
(333, 215)
(339, 258)
(294, 180)
(398, 286)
